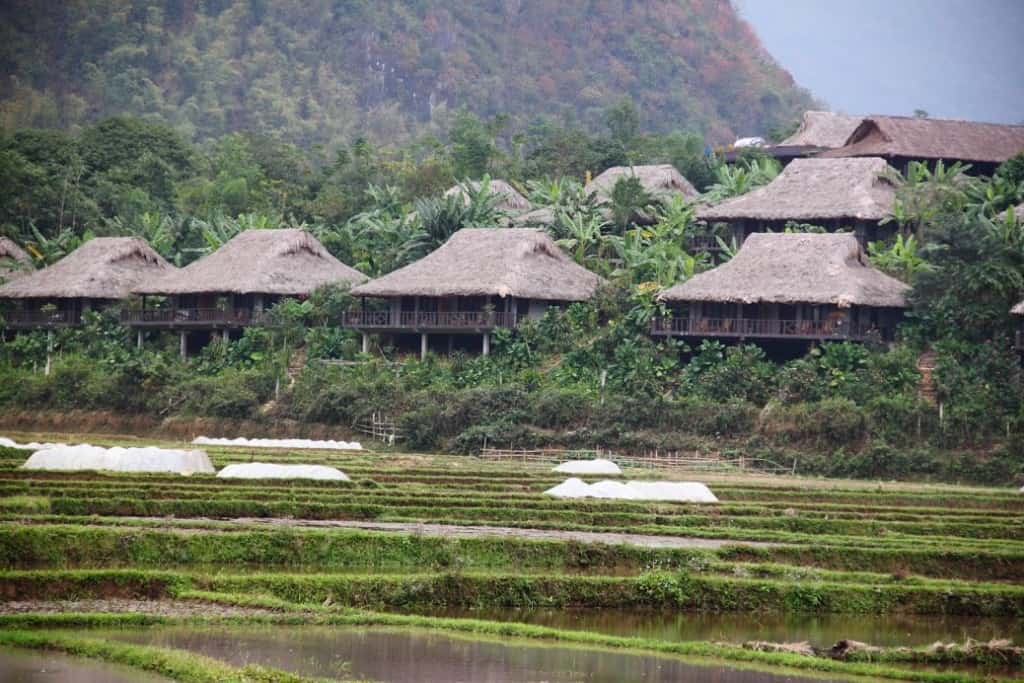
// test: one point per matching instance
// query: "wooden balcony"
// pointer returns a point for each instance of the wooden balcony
(696, 244)
(193, 318)
(751, 328)
(40, 320)
(425, 321)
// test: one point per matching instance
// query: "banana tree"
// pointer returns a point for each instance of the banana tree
(46, 250)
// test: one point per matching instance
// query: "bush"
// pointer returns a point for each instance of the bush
(502, 435)
(829, 424)
(558, 408)
(234, 394)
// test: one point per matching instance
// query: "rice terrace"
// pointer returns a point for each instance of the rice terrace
(511, 341)
(427, 561)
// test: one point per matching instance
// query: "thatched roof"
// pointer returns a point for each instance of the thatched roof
(921, 138)
(11, 252)
(535, 218)
(823, 129)
(519, 262)
(507, 197)
(660, 180)
(102, 268)
(795, 268)
(286, 262)
(814, 189)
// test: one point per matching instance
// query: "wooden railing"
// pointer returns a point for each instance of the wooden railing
(192, 317)
(40, 319)
(428, 320)
(646, 459)
(767, 329)
(702, 243)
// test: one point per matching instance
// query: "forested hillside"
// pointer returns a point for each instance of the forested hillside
(327, 71)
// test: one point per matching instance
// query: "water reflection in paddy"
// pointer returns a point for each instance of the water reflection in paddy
(408, 656)
(821, 630)
(17, 666)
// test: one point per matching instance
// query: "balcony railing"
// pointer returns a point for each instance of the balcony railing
(193, 317)
(41, 319)
(430, 320)
(768, 329)
(703, 243)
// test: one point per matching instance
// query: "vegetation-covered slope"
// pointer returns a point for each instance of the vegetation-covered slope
(324, 71)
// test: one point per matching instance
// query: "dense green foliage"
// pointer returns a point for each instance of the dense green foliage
(589, 376)
(324, 73)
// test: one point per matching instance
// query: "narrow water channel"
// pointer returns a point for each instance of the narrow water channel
(821, 630)
(17, 666)
(413, 656)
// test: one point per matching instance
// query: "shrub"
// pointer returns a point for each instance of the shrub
(828, 424)
(558, 408)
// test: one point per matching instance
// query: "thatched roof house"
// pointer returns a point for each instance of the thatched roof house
(507, 198)
(14, 261)
(286, 262)
(901, 138)
(823, 129)
(795, 269)
(102, 268)
(661, 180)
(503, 262)
(814, 190)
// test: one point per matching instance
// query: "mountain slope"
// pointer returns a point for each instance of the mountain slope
(323, 71)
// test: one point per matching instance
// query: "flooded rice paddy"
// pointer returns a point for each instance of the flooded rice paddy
(45, 667)
(820, 630)
(412, 656)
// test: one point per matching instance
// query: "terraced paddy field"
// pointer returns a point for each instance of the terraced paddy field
(429, 567)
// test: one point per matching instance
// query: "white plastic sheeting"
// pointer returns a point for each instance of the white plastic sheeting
(264, 470)
(31, 446)
(117, 459)
(678, 491)
(328, 445)
(596, 466)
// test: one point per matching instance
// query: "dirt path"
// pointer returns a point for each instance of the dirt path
(460, 531)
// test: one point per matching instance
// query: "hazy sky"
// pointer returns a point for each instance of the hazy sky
(952, 58)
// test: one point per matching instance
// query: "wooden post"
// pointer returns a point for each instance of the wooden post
(423, 346)
(49, 352)
(366, 343)
(138, 339)
(487, 344)
(183, 344)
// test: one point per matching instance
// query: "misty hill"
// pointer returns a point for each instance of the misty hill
(326, 71)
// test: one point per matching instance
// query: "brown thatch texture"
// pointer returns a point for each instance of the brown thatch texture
(507, 197)
(519, 262)
(823, 129)
(536, 218)
(920, 138)
(795, 268)
(102, 268)
(286, 262)
(661, 180)
(14, 261)
(810, 189)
